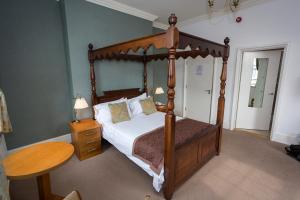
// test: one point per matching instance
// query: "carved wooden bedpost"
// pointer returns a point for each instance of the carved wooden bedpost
(221, 101)
(92, 75)
(145, 72)
(169, 145)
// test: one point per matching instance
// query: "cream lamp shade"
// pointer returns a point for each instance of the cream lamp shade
(159, 90)
(80, 103)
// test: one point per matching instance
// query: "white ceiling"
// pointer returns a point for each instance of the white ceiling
(184, 9)
(158, 11)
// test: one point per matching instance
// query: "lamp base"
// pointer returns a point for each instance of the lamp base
(76, 117)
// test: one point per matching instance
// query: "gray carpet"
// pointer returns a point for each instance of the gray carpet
(249, 167)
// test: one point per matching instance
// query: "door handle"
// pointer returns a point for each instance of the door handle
(272, 93)
(208, 91)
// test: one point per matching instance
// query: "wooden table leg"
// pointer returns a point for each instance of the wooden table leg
(44, 187)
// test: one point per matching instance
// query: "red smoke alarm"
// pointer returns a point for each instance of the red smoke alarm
(238, 19)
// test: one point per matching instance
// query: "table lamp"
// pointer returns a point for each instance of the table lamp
(80, 103)
(158, 91)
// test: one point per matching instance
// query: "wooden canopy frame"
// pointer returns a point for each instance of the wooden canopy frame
(171, 39)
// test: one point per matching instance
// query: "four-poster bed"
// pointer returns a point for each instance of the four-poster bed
(179, 162)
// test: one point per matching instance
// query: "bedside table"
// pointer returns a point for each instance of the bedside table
(86, 137)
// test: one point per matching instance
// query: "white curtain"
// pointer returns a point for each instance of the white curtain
(4, 184)
(5, 127)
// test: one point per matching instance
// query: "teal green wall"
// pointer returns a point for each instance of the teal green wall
(33, 72)
(89, 23)
(44, 61)
(160, 76)
(160, 72)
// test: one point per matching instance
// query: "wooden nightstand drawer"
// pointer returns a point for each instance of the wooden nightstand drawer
(88, 134)
(88, 149)
(86, 137)
(83, 145)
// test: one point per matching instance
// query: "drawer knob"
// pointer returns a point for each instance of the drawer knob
(91, 150)
(89, 133)
(91, 142)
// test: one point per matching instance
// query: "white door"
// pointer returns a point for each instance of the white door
(257, 89)
(198, 91)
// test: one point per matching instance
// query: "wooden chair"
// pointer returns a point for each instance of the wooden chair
(73, 196)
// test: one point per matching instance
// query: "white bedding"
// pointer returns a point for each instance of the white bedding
(123, 134)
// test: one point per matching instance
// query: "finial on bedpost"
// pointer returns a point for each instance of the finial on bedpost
(226, 49)
(172, 19)
(91, 46)
(90, 53)
(226, 41)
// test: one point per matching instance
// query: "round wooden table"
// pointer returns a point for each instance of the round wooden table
(36, 161)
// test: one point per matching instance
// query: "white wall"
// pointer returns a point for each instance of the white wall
(273, 22)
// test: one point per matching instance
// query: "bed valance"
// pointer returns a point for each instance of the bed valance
(171, 38)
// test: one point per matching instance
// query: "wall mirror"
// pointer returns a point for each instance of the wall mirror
(258, 81)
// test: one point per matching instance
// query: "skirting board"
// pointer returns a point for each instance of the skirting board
(281, 138)
(285, 139)
(63, 138)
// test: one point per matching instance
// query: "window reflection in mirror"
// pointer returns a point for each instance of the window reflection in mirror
(258, 81)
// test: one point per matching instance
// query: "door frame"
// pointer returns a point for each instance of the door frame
(237, 81)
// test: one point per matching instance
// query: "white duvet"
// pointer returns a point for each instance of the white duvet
(122, 135)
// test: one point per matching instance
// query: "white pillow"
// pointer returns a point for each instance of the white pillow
(135, 106)
(128, 109)
(102, 112)
(142, 96)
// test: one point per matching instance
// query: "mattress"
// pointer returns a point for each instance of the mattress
(122, 135)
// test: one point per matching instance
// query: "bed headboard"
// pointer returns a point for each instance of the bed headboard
(112, 95)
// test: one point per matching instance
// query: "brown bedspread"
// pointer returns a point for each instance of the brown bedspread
(149, 147)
